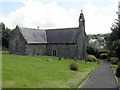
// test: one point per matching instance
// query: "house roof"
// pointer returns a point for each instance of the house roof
(36, 36)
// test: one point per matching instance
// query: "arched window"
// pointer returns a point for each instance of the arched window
(54, 51)
(76, 46)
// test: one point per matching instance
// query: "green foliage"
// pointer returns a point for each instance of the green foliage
(118, 72)
(36, 72)
(114, 40)
(91, 49)
(91, 58)
(115, 35)
(2, 25)
(103, 51)
(104, 56)
(114, 66)
(74, 66)
(119, 80)
(116, 48)
(114, 44)
(6, 33)
(114, 60)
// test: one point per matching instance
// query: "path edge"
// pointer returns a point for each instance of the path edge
(88, 76)
(116, 79)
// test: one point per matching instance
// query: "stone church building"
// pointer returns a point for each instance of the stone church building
(65, 42)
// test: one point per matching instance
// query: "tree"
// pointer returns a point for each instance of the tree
(115, 34)
(114, 43)
(6, 33)
(3, 26)
(116, 48)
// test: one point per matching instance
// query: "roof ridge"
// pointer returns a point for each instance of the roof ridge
(63, 28)
(31, 28)
(72, 28)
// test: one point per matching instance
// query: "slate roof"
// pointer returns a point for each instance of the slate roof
(34, 35)
(37, 36)
(67, 35)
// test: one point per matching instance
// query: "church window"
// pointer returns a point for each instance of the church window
(54, 52)
(76, 46)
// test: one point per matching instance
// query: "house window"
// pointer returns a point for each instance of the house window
(54, 51)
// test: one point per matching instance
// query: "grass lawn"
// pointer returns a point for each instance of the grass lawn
(37, 72)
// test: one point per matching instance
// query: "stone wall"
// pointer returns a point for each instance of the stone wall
(17, 44)
(36, 49)
(62, 50)
(82, 43)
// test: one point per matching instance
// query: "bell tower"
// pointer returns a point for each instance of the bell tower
(81, 19)
(82, 38)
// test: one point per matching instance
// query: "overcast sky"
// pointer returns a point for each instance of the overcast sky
(99, 14)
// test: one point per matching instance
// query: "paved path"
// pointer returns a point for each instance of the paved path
(102, 77)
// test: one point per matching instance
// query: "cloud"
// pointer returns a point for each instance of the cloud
(99, 19)
(50, 15)
(36, 13)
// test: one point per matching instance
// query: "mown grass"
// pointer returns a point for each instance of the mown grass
(37, 72)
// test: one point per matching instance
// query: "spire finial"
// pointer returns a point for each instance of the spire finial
(81, 11)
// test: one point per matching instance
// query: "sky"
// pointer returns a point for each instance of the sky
(99, 14)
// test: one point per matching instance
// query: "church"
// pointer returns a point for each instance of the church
(64, 42)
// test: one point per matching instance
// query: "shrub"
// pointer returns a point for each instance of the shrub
(59, 58)
(73, 67)
(117, 73)
(114, 60)
(92, 50)
(91, 58)
(104, 56)
(98, 61)
(116, 48)
(103, 51)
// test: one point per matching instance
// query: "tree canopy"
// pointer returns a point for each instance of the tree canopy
(114, 39)
(5, 35)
